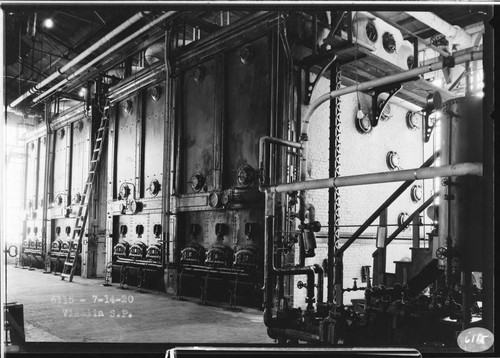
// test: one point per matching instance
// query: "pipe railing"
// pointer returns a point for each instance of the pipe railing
(103, 41)
(105, 54)
(410, 218)
(381, 208)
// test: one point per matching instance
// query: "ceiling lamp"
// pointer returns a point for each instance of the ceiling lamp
(48, 23)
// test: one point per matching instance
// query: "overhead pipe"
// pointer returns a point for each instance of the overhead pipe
(80, 57)
(454, 33)
(368, 85)
(108, 52)
(381, 177)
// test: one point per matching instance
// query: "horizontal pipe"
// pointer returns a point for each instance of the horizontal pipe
(382, 177)
(398, 77)
(111, 50)
(79, 58)
(382, 207)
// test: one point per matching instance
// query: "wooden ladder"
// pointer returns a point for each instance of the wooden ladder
(82, 213)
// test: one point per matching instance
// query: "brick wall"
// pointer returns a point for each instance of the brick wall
(360, 154)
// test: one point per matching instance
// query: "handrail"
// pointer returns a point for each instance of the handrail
(382, 207)
(410, 218)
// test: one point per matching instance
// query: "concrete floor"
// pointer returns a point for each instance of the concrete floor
(59, 311)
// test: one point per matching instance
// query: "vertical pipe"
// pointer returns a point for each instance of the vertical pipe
(416, 232)
(268, 258)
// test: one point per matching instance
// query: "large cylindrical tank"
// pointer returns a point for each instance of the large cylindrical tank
(460, 211)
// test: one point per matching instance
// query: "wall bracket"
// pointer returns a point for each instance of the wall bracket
(378, 109)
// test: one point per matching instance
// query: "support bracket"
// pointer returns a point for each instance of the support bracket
(434, 102)
(310, 86)
(379, 107)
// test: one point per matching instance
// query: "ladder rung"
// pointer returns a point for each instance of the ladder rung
(98, 139)
(97, 150)
(68, 263)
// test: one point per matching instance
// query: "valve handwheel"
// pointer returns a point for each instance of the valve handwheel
(441, 253)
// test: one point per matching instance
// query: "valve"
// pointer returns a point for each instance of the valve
(441, 253)
(301, 285)
(314, 226)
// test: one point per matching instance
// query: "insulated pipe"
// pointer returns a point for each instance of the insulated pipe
(105, 54)
(79, 58)
(456, 34)
(382, 177)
